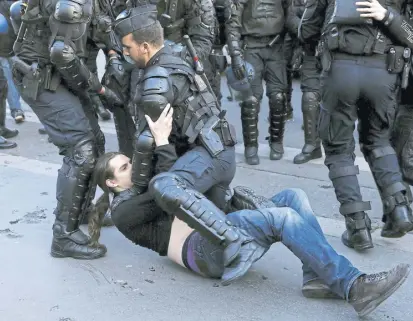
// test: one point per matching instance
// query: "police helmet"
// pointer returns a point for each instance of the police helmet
(4, 26)
(16, 15)
(243, 84)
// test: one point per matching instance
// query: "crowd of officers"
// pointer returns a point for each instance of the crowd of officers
(353, 68)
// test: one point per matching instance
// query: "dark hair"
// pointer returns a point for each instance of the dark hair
(104, 171)
(152, 34)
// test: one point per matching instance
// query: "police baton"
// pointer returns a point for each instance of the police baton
(199, 69)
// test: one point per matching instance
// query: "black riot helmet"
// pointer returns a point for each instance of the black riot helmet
(134, 19)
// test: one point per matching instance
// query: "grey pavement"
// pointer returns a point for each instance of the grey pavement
(133, 283)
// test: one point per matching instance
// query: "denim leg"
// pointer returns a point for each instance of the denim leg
(13, 96)
(276, 224)
(297, 199)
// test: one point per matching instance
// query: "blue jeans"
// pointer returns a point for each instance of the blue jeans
(13, 96)
(294, 224)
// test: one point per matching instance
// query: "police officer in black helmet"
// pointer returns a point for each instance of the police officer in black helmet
(364, 57)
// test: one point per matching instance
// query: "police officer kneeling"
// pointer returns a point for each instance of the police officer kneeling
(363, 55)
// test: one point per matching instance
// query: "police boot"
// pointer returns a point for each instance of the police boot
(370, 290)
(240, 249)
(249, 120)
(312, 147)
(397, 214)
(103, 113)
(69, 240)
(358, 231)
(277, 125)
(4, 131)
(245, 198)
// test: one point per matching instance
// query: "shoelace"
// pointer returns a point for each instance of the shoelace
(376, 277)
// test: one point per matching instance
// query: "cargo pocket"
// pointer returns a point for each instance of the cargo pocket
(324, 125)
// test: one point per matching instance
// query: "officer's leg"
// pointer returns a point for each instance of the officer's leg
(310, 105)
(250, 108)
(68, 127)
(92, 65)
(4, 144)
(340, 92)
(276, 80)
(288, 56)
(177, 192)
(382, 158)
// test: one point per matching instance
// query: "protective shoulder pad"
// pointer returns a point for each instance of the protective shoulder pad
(155, 81)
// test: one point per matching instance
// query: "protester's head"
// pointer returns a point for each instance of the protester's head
(113, 172)
(141, 33)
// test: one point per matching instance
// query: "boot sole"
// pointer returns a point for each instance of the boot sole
(60, 255)
(358, 247)
(308, 159)
(374, 304)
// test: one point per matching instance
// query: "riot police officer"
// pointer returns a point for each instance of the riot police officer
(6, 39)
(195, 18)
(363, 58)
(310, 100)
(208, 164)
(260, 26)
(53, 79)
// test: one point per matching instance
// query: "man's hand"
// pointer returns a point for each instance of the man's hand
(161, 129)
(238, 67)
(371, 9)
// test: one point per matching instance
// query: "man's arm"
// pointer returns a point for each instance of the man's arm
(291, 19)
(200, 26)
(400, 26)
(166, 158)
(312, 20)
(233, 28)
(68, 46)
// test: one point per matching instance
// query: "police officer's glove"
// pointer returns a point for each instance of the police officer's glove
(238, 67)
(112, 100)
(115, 69)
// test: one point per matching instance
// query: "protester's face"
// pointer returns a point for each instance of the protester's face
(122, 172)
(138, 52)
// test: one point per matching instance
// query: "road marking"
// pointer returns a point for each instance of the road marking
(331, 227)
(108, 127)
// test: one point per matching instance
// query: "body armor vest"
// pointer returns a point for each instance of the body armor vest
(364, 38)
(263, 18)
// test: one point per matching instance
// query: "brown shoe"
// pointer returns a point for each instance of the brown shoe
(317, 289)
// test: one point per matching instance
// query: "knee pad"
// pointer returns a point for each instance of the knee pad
(277, 101)
(165, 181)
(310, 101)
(85, 155)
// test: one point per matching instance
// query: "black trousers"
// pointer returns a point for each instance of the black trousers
(358, 88)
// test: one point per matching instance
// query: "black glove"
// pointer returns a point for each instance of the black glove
(111, 98)
(238, 67)
(115, 69)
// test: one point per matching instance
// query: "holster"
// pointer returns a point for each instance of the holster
(395, 61)
(216, 134)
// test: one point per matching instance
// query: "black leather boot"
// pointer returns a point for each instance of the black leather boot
(370, 290)
(245, 198)
(249, 120)
(358, 232)
(277, 125)
(312, 147)
(397, 217)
